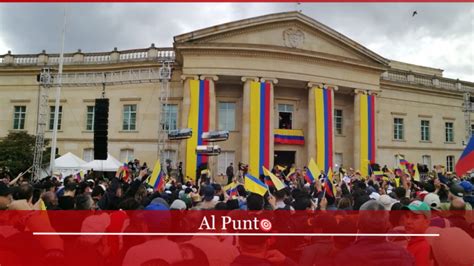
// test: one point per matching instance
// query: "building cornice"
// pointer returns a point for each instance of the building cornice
(276, 52)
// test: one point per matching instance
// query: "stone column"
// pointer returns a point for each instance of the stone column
(356, 135)
(246, 118)
(310, 137)
(273, 82)
(333, 90)
(212, 162)
(184, 115)
(376, 122)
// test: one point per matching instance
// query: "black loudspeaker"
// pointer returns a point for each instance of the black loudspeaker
(101, 125)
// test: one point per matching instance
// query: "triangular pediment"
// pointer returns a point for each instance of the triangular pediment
(290, 31)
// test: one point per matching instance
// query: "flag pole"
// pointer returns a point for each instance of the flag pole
(58, 95)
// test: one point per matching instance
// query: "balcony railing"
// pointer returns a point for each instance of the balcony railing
(429, 81)
(77, 58)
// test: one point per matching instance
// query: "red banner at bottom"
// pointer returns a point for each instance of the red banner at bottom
(236, 238)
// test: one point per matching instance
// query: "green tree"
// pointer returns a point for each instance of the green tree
(17, 152)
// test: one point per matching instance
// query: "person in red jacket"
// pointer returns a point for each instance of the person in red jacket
(417, 221)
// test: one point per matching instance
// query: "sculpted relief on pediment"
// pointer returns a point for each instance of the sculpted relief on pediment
(293, 38)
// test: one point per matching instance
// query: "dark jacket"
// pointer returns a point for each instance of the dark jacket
(229, 171)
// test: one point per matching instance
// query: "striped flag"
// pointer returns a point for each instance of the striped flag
(312, 172)
(254, 185)
(367, 132)
(260, 113)
(275, 180)
(324, 128)
(466, 161)
(157, 180)
(231, 190)
(198, 121)
(289, 136)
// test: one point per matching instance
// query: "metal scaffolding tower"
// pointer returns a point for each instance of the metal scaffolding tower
(48, 79)
(468, 108)
(164, 126)
(45, 79)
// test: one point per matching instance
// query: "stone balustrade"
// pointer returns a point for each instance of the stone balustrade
(147, 54)
(428, 81)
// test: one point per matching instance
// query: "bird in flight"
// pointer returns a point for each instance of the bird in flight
(414, 13)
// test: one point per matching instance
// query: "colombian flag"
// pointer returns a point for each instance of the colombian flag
(156, 180)
(466, 162)
(312, 172)
(324, 131)
(260, 114)
(275, 180)
(231, 190)
(367, 132)
(289, 136)
(254, 185)
(198, 121)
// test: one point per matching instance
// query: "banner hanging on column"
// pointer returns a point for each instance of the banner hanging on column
(324, 131)
(198, 121)
(259, 127)
(367, 132)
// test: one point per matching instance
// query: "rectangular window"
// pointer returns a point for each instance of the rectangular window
(126, 155)
(129, 117)
(170, 117)
(449, 132)
(226, 116)
(426, 159)
(398, 129)
(90, 118)
(425, 130)
(224, 160)
(449, 163)
(472, 129)
(168, 155)
(285, 116)
(19, 117)
(51, 117)
(88, 155)
(338, 121)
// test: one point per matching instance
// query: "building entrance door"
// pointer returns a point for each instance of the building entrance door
(285, 158)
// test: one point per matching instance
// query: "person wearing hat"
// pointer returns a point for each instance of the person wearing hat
(5, 196)
(386, 201)
(178, 205)
(468, 188)
(433, 201)
(417, 221)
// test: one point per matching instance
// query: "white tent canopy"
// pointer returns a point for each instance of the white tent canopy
(68, 164)
(109, 165)
(68, 161)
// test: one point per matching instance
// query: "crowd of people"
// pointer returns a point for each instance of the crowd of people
(440, 202)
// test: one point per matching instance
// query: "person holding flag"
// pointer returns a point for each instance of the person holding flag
(157, 180)
(312, 172)
(275, 180)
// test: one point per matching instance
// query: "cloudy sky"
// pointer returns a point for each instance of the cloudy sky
(440, 35)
